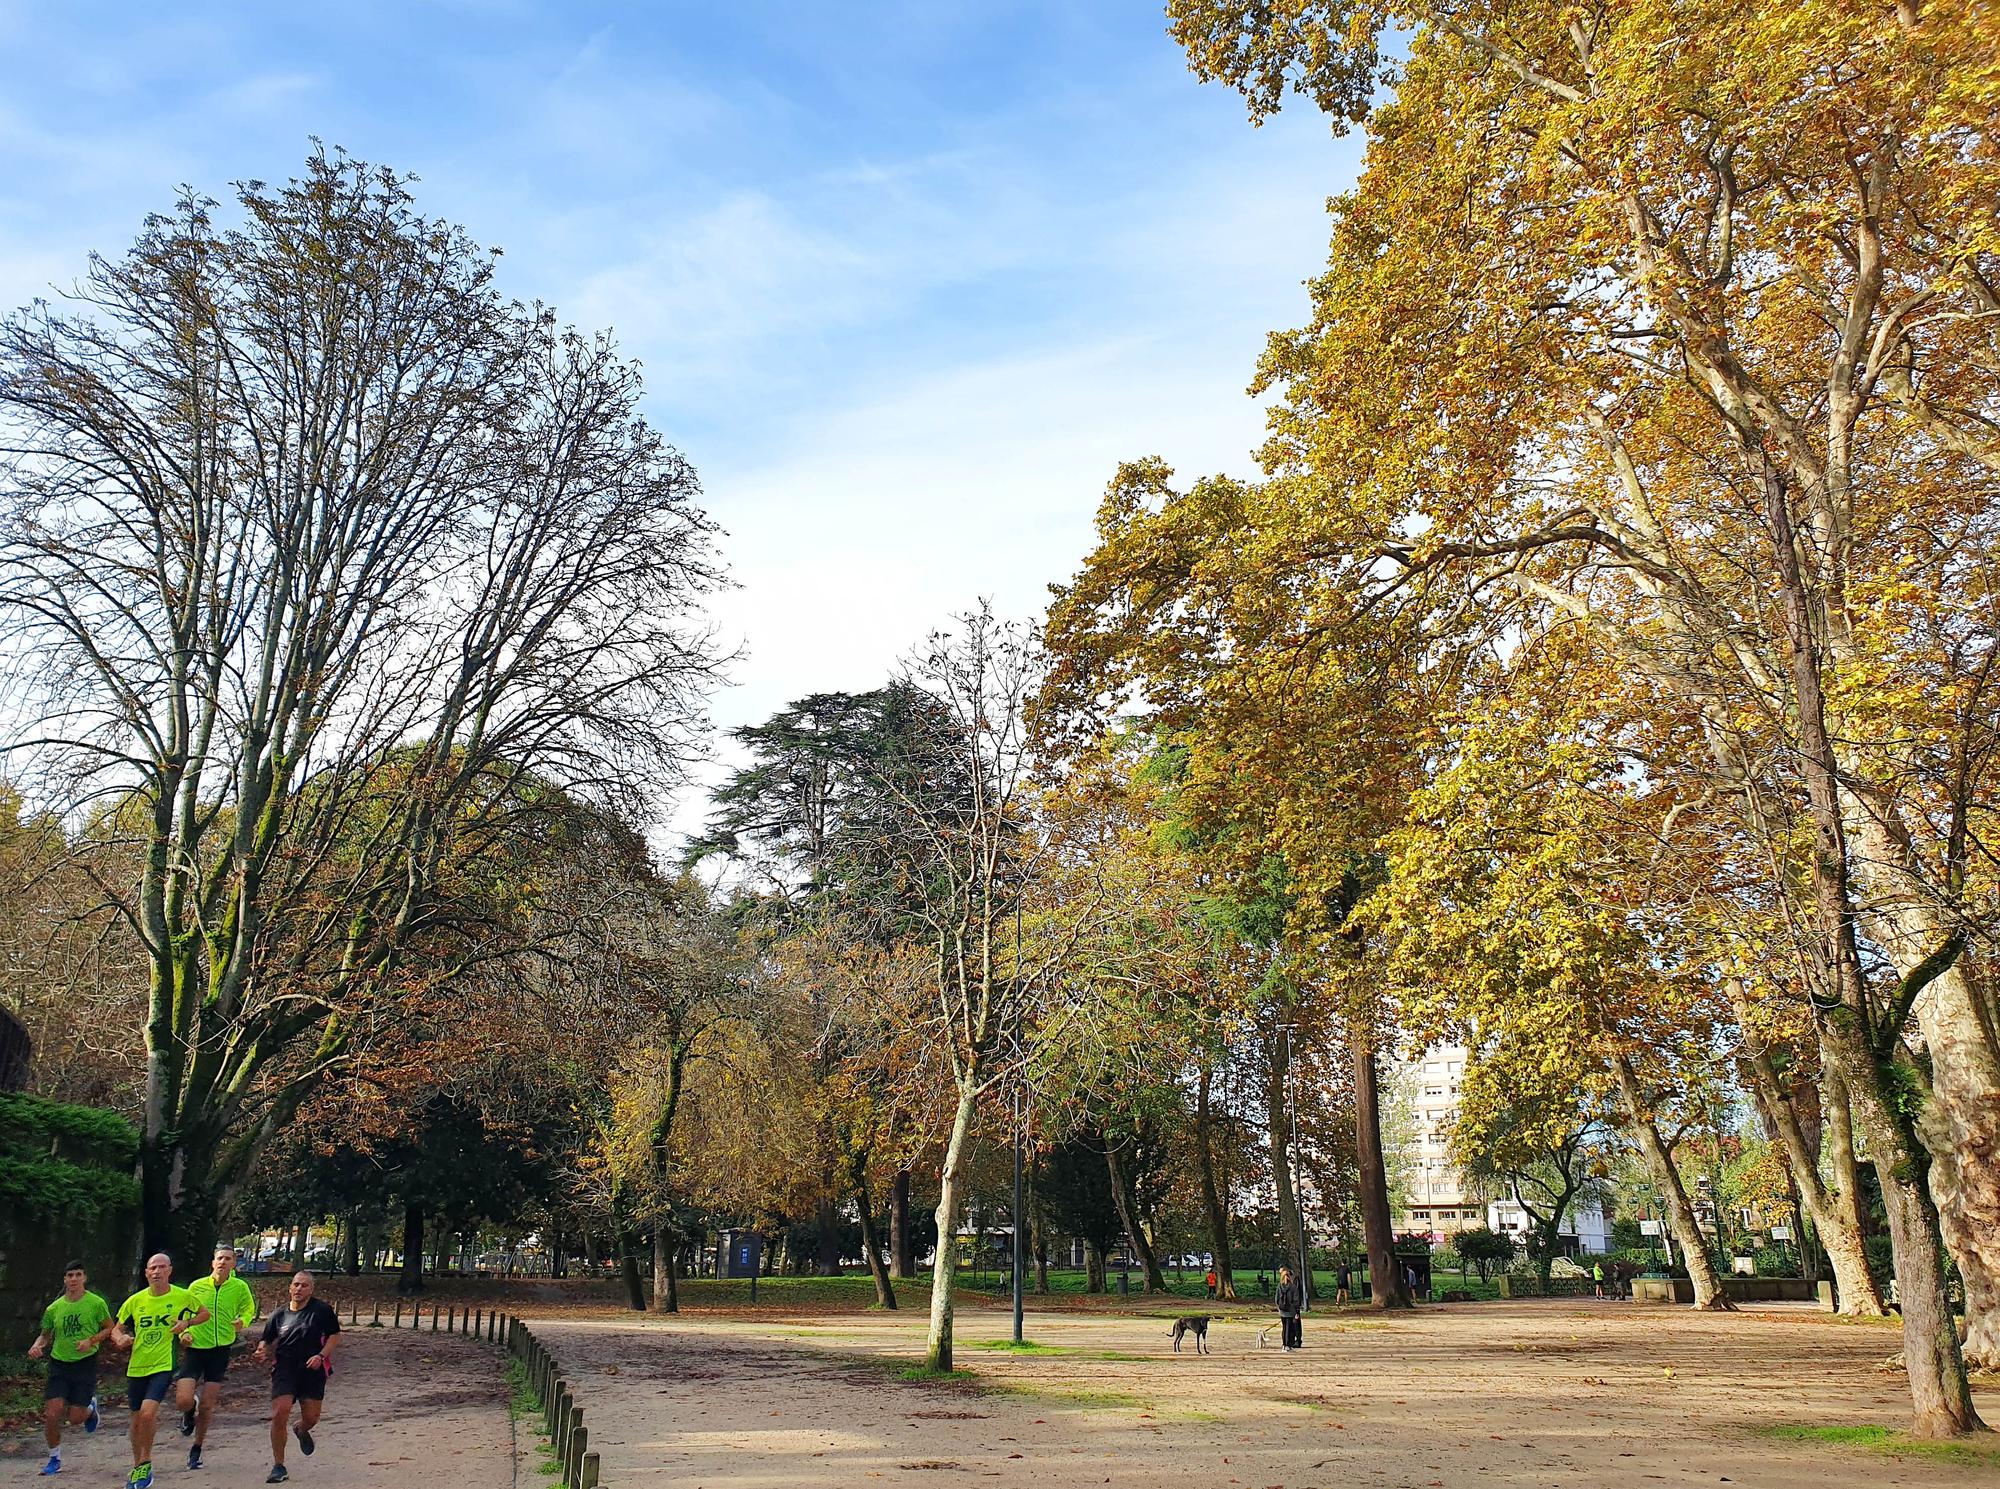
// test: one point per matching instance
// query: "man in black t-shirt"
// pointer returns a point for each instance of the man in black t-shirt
(299, 1340)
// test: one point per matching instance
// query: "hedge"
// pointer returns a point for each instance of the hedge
(34, 1124)
(55, 1190)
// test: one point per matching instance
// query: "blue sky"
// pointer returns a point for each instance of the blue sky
(907, 279)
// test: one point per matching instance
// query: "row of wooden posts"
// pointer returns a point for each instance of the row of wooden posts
(562, 1418)
(481, 1323)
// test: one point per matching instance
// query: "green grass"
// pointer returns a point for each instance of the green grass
(1025, 1347)
(1888, 1440)
(525, 1406)
(1071, 1395)
(940, 1377)
(855, 1290)
(521, 1398)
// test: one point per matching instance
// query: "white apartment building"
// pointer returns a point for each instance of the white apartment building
(1437, 1201)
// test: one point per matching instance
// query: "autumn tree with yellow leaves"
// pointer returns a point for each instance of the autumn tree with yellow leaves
(1678, 320)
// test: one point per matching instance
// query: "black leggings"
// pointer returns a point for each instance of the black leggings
(1294, 1331)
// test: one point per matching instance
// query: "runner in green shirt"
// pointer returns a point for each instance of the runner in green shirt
(205, 1356)
(149, 1322)
(72, 1328)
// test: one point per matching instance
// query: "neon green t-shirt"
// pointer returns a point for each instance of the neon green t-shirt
(69, 1324)
(151, 1317)
(229, 1308)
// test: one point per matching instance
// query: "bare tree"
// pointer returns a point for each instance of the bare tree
(966, 841)
(316, 558)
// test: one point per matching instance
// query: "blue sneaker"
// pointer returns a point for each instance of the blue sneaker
(90, 1422)
(142, 1476)
(53, 1466)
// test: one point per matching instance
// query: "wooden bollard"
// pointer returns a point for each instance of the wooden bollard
(451, 1320)
(378, 1315)
(587, 1476)
(434, 1318)
(560, 1413)
(579, 1439)
(399, 1313)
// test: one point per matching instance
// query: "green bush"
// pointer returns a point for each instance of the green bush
(54, 1190)
(34, 1126)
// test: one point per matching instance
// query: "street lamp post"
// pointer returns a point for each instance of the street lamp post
(1298, 1189)
(1020, 1228)
(1020, 1124)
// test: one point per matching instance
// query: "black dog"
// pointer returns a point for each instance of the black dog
(1197, 1325)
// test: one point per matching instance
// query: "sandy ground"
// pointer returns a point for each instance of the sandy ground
(401, 1409)
(1614, 1396)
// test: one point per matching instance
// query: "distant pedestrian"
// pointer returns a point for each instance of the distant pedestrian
(1597, 1279)
(1263, 1285)
(1343, 1283)
(1211, 1281)
(72, 1328)
(1291, 1303)
(298, 1339)
(1410, 1277)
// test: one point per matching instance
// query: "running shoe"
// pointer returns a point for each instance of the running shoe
(194, 1456)
(305, 1439)
(53, 1466)
(187, 1422)
(90, 1421)
(142, 1476)
(277, 1475)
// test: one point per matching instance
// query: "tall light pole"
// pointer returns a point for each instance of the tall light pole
(1298, 1190)
(1020, 1123)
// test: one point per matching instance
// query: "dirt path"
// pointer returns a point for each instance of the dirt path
(1605, 1395)
(401, 1409)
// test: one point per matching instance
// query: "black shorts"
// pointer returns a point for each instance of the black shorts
(72, 1381)
(139, 1389)
(298, 1383)
(209, 1364)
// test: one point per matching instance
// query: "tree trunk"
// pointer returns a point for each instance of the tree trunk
(1879, 1082)
(1093, 1267)
(412, 1278)
(1211, 1189)
(1039, 1231)
(1961, 1127)
(1549, 1232)
(1833, 1221)
(1278, 1129)
(944, 1275)
(1666, 1174)
(902, 1242)
(351, 1256)
(1385, 1276)
(628, 1257)
(885, 1292)
(1135, 1237)
(665, 1299)
(299, 1254)
(1960, 1124)
(673, 1281)
(827, 1218)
